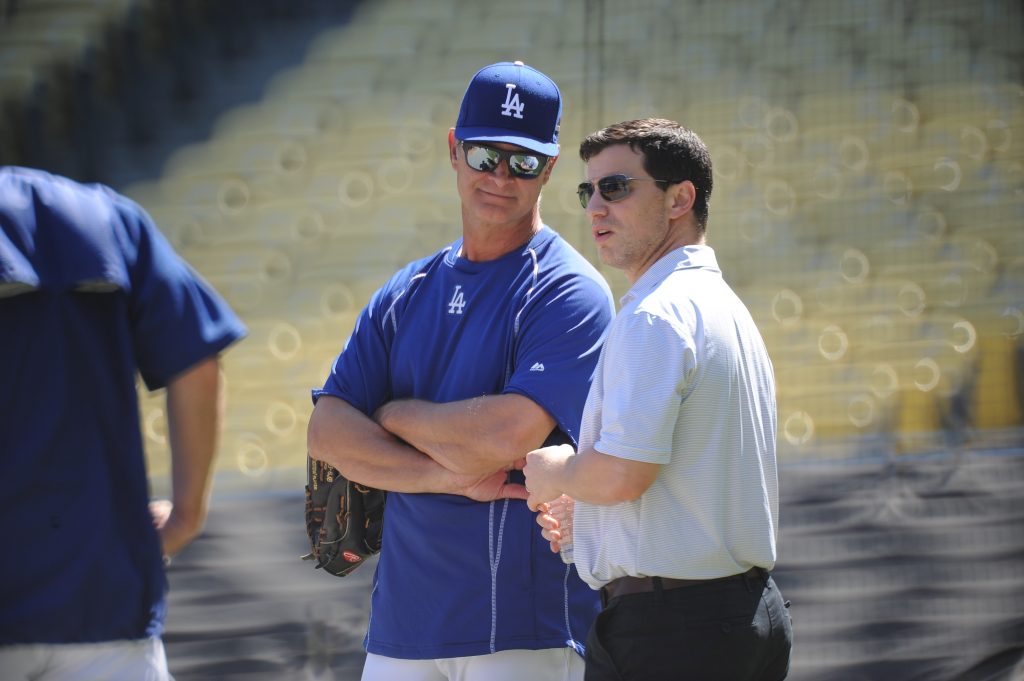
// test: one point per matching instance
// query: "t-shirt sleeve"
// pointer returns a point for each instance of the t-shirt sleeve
(560, 336)
(359, 374)
(644, 385)
(178, 319)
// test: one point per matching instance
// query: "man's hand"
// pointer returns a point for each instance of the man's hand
(550, 528)
(544, 470)
(174, 533)
(487, 488)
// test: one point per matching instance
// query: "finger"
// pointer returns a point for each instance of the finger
(547, 520)
(513, 490)
(551, 535)
(160, 511)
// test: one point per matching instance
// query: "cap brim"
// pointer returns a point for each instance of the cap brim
(499, 135)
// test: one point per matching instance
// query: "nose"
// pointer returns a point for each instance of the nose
(596, 205)
(502, 172)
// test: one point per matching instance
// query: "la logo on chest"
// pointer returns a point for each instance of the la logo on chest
(458, 301)
(512, 106)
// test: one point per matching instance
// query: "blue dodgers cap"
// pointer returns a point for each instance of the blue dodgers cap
(514, 103)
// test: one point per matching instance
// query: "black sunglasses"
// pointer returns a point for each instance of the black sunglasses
(612, 188)
(521, 164)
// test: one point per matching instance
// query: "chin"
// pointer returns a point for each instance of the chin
(607, 257)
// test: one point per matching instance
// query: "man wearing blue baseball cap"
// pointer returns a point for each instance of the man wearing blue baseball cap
(459, 365)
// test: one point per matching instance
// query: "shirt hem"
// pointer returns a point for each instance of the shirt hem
(461, 650)
(612, 448)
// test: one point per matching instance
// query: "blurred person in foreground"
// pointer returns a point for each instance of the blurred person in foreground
(91, 294)
(675, 482)
(461, 363)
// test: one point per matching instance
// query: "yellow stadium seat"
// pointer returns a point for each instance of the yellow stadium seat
(919, 424)
(994, 216)
(345, 79)
(924, 365)
(271, 154)
(184, 226)
(363, 41)
(225, 194)
(255, 261)
(829, 412)
(997, 400)
(301, 117)
(879, 113)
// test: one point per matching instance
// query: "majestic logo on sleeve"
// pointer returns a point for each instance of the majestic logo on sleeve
(512, 106)
(457, 302)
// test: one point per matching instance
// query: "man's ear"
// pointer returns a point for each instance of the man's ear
(548, 168)
(681, 197)
(453, 147)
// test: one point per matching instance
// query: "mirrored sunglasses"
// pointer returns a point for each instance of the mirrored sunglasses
(521, 164)
(612, 188)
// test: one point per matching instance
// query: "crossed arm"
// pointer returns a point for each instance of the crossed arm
(463, 447)
(474, 436)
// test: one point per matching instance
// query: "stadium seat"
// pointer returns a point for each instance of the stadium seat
(345, 79)
(997, 401)
(993, 215)
(184, 226)
(215, 192)
(303, 117)
(998, 390)
(881, 112)
(388, 40)
(274, 154)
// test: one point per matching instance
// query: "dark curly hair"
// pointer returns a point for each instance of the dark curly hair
(671, 152)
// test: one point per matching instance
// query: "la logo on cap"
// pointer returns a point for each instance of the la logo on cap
(512, 106)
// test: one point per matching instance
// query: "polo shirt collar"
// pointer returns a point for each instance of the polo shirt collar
(696, 256)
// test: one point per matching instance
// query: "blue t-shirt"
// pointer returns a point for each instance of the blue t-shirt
(90, 293)
(458, 577)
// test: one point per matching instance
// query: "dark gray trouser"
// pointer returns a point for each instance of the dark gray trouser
(736, 630)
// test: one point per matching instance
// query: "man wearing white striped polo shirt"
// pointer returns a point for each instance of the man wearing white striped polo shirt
(676, 518)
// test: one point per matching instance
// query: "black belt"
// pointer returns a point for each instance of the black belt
(624, 586)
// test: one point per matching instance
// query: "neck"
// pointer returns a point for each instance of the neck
(482, 241)
(685, 238)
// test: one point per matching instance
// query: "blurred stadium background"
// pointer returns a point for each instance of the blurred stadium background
(868, 207)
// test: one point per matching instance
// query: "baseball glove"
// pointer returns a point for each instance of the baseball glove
(344, 520)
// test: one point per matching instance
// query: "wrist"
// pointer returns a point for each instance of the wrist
(565, 473)
(189, 519)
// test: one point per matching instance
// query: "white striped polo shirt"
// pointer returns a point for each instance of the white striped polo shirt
(684, 380)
